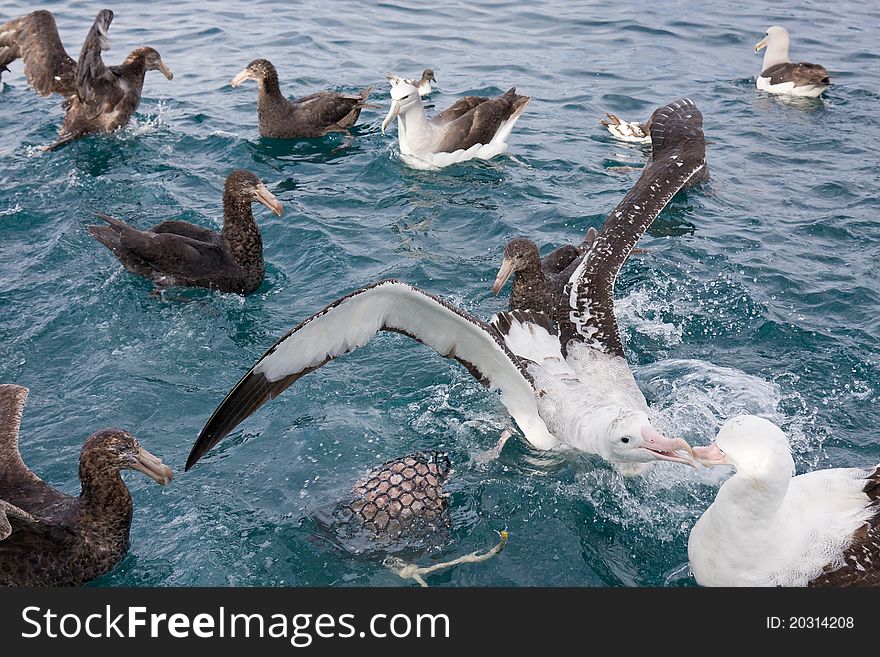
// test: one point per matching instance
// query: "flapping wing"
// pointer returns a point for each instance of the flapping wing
(92, 76)
(12, 401)
(678, 156)
(351, 322)
(34, 39)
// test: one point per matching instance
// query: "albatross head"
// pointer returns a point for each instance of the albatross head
(107, 452)
(631, 444)
(776, 42)
(259, 70)
(756, 447)
(403, 97)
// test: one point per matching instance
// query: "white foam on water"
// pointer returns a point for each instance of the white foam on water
(641, 308)
(9, 211)
(149, 123)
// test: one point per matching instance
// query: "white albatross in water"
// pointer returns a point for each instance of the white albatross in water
(473, 127)
(767, 527)
(779, 75)
(572, 388)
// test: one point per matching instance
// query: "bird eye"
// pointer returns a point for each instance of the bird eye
(624, 439)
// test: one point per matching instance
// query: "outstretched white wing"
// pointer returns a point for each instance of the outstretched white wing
(351, 322)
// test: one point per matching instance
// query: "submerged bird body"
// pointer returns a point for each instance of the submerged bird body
(176, 253)
(767, 527)
(779, 75)
(98, 98)
(48, 538)
(400, 497)
(474, 127)
(314, 115)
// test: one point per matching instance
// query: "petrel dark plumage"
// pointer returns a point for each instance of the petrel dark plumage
(179, 253)
(48, 538)
(314, 115)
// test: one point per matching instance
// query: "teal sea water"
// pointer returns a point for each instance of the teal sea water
(759, 293)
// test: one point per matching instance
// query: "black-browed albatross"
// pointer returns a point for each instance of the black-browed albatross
(576, 392)
(473, 127)
(98, 98)
(48, 538)
(779, 75)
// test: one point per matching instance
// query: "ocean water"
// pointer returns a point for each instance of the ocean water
(759, 293)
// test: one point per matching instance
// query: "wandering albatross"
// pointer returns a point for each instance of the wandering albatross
(98, 98)
(779, 75)
(48, 538)
(538, 284)
(314, 115)
(767, 527)
(181, 253)
(473, 127)
(573, 389)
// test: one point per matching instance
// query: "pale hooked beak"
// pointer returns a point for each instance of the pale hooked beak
(666, 449)
(242, 77)
(152, 466)
(392, 114)
(710, 455)
(166, 71)
(264, 196)
(504, 273)
(761, 44)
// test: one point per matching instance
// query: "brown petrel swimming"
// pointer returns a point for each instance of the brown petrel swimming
(179, 253)
(314, 115)
(98, 98)
(48, 538)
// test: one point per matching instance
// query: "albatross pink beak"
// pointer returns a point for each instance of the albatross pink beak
(666, 449)
(152, 466)
(710, 455)
(392, 114)
(761, 44)
(504, 273)
(267, 198)
(166, 71)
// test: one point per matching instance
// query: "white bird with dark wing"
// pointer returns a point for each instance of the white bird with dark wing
(779, 75)
(576, 392)
(474, 127)
(767, 527)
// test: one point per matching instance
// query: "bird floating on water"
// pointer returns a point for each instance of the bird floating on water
(97, 98)
(779, 75)
(179, 253)
(768, 527)
(473, 127)
(48, 538)
(314, 115)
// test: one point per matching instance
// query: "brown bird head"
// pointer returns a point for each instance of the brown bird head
(428, 75)
(151, 59)
(108, 451)
(519, 254)
(244, 186)
(261, 71)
